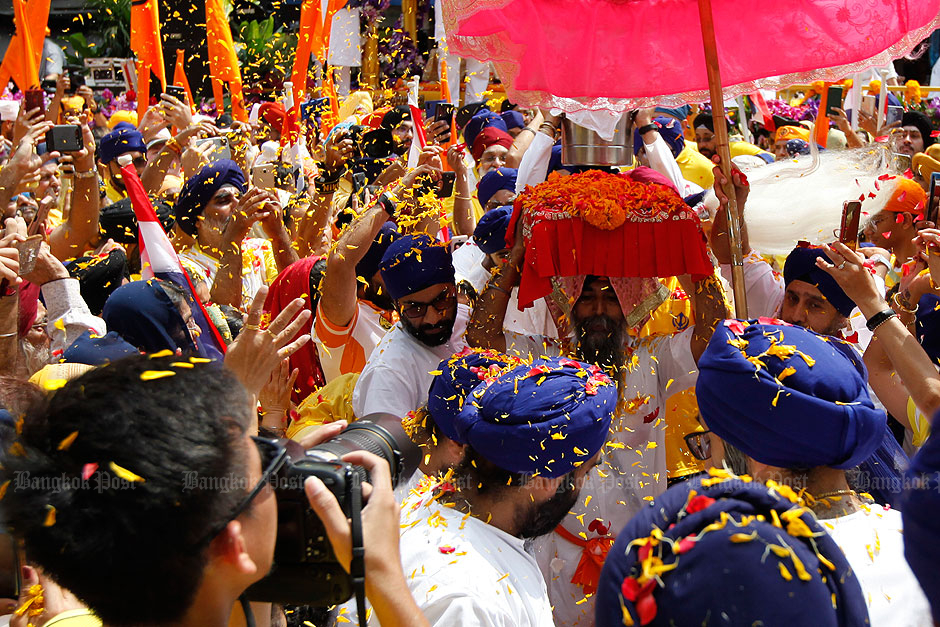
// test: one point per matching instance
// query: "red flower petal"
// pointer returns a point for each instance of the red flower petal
(644, 552)
(698, 503)
(685, 545)
(630, 589)
(88, 470)
(736, 326)
(646, 608)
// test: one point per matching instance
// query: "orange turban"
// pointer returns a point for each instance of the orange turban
(786, 133)
(907, 197)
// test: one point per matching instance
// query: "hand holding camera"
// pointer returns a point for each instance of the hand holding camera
(340, 149)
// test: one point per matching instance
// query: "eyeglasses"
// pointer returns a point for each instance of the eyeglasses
(700, 445)
(273, 456)
(444, 301)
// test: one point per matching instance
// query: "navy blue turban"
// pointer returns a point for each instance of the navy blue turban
(494, 181)
(920, 510)
(801, 266)
(199, 189)
(670, 129)
(801, 402)
(512, 119)
(483, 119)
(797, 147)
(123, 139)
(719, 564)
(413, 263)
(490, 234)
(460, 375)
(545, 419)
(922, 122)
(369, 265)
(95, 350)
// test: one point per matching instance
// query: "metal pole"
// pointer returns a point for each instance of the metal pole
(724, 151)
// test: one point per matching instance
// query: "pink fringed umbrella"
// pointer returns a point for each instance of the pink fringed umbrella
(616, 55)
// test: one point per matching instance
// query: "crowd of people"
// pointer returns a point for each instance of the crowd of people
(188, 303)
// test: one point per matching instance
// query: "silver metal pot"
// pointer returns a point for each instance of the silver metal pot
(582, 146)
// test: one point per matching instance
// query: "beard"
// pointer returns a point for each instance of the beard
(378, 297)
(36, 357)
(600, 341)
(430, 334)
(541, 519)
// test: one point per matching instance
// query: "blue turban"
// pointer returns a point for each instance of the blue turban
(512, 119)
(494, 181)
(805, 404)
(797, 147)
(123, 139)
(199, 189)
(928, 325)
(715, 538)
(920, 510)
(490, 234)
(484, 119)
(801, 266)
(369, 265)
(680, 113)
(670, 130)
(413, 263)
(95, 350)
(547, 418)
(460, 374)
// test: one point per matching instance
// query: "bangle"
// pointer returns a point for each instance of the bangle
(174, 145)
(9, 334)
(880, 318)
(492, 285)
(879, 258)
(464, 197)
(548, 125)
(526, 128)
(85, 174)
(896, 299)
(643, 130)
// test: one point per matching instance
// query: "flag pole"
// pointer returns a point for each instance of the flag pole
(724, 151)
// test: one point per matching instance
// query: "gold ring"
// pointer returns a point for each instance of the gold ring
(253, 327)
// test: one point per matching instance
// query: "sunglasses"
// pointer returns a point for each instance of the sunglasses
(273, 457)
(699, 444)
(444, 301)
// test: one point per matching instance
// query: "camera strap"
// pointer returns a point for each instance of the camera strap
(357, 565)
(246, 610)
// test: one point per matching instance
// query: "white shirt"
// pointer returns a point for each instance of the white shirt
(873, 542)
(464, 572)
(632, 472)
(398, 374)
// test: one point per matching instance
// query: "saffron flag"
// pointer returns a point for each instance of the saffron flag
(179, 78)
(159, 260)
(24, 53)
(310, 26)
(445, 84)
(223, 63)
(145, 43)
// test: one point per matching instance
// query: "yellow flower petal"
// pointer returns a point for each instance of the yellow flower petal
(67, 441)
(125, 474)
(150, 375)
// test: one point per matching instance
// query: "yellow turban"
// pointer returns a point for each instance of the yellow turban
(122, 116)
(786, 133)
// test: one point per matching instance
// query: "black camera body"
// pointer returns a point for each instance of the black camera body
(305, 570)
(64, 138)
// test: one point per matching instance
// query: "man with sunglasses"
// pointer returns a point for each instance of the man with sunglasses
(419, 278)
(139, 488)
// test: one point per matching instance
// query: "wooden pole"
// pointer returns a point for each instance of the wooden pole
(724, 151)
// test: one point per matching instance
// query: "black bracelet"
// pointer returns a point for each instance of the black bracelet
(643, 130)
(880, 318)
(388, 205)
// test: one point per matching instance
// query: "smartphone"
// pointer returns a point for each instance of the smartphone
(833, 99)
(64, 138)
(868, 105)
(76, 80)
(29, 252)
(933, 202)
(177, 92)
(894, 115)
(848, 231)
(447, 184)
(430, 108)
(444, 113)
(34, 99)
(10, 571)
(220, 149)
(263, 176)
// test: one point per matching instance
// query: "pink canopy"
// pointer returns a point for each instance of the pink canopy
(618, 54)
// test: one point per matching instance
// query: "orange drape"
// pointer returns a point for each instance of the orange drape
(24, 54)
(223, 62)
(145, 43)
(179, 78)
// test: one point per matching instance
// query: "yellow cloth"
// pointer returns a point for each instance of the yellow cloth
(54, 376)
(681, 419)
(674, 315)
(695, 167)
(786, 133)
(75, 618)
(920, 424)
(112, 194)
(358, 103)
(745, 148)
(330, 403)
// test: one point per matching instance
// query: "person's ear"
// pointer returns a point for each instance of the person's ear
(230, 547)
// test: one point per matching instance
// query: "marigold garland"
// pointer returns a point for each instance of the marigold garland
(601, 199)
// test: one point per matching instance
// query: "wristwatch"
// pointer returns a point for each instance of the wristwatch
(388, 205)
(643, 130)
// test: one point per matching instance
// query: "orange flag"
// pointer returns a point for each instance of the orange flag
(145, 43)
(223, 63)
(822, 120)
(24, 53)
(179, 78)
(306, 39)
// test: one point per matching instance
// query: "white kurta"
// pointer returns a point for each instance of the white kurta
(632, 471)
(873, 543)
(462, 571)
(398, 374)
